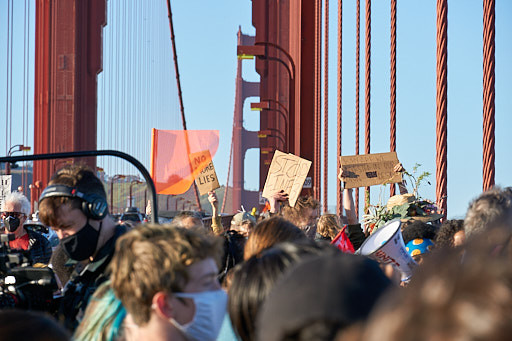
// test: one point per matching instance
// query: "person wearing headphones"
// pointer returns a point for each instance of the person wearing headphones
(74, 204)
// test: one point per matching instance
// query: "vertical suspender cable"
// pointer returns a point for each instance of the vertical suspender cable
(488, 96)
(109, 90)
(319, 103)
(367, 89)
(339, 205)
(25, 94)
(392, 88)
(129, 99)
(7, 78)
(118, 95)
(358, 48)
(182, 110)
(326, 100)
(10, 75)
(317, 114)
(441, 103)
(137, 70)
(229, 172)
(124, 94)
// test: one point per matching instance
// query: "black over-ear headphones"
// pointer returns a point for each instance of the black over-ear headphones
(93, 205)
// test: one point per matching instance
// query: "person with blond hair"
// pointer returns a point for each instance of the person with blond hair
(328, 227)
(166, 278)
(304, 215)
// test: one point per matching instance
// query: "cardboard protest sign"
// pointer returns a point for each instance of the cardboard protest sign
(207, 180)
(172, 169)
(370, 169)
(287, 172)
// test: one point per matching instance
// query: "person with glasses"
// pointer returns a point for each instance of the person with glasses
(15, 210)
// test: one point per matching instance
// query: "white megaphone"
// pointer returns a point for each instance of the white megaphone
(386, 246)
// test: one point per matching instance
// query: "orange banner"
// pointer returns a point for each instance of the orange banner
(171, 168)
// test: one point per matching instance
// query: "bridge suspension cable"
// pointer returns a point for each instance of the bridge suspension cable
(182, 109)
(135, 89)
(339, 207)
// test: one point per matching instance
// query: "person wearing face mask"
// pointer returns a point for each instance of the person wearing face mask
(74, 204)
(15, 211)
(166, 278)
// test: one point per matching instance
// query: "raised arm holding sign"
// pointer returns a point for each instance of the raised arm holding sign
(287, 173)
(207, 180)
(370, 169)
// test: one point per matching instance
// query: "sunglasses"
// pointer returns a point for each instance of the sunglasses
(18, 215)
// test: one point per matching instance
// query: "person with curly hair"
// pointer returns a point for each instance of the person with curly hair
(451, 234)
(419, 239)
(304, 215)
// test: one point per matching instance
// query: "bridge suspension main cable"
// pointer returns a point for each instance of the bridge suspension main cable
(182, 109)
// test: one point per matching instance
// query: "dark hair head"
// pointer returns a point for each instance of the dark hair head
(335, 290)
(253, 280)
(234, 244)
(418, 230)
(30, 325)
(444, 237)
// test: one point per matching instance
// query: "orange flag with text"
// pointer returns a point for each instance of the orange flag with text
(173, 170)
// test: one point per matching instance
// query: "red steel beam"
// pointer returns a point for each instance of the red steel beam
(68, 59)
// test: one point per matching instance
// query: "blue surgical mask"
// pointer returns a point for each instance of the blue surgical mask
(210, 312)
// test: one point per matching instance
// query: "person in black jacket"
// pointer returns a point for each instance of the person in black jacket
(74, 204)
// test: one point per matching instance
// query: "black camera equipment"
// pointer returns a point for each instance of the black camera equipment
(23, 285)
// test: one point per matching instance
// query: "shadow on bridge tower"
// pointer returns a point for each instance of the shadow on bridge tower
(243, 139)
(287, 47)
(67, 62)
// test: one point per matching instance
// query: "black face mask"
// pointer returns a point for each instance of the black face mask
(11, 223)
(82, 244)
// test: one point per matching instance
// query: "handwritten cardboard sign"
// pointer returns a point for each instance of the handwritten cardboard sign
(207, 180)
(287, 172)
(370, 169)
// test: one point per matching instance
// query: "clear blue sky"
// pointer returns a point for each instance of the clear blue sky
(207, 50)
(206, 43)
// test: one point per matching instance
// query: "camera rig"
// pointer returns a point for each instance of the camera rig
(23, 284)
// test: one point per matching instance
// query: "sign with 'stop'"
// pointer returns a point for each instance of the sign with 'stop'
(207, 180)
(287, 172)
(370, 169)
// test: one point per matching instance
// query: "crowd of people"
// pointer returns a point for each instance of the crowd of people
(289, 274)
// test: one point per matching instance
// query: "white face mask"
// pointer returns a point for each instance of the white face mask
(210, 312)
